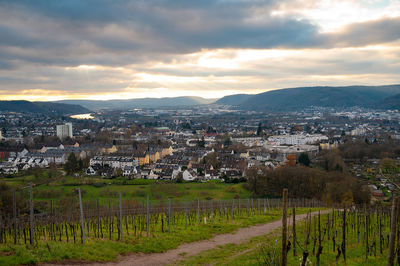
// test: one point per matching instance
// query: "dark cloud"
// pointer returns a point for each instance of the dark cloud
(73, 32)
(137, 30)
(124, 32)
(11, 37)
(38, 39)
(384, 30)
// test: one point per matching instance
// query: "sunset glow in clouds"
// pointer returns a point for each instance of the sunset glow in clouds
(66, 49)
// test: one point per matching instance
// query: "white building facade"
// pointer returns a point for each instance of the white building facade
(64, 131)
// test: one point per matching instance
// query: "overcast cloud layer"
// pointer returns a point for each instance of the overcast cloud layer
(117, 49)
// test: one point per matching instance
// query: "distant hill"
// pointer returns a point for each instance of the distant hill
(389, 103)
(42, 107)
(300, 97)
(383, 97)
(140, 103)
(235, 99)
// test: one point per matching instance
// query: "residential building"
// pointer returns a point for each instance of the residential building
(64, 131)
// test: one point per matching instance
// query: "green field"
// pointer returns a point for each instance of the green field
(93, 187)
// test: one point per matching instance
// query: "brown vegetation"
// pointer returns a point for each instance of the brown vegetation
(361, 150)
(304, 182)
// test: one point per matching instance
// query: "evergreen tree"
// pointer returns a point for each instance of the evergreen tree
(201, 143)
(304, 159)
(227, 141)
(259, 129)
(72, 164)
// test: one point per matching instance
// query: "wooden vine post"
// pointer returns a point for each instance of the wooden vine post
(52, 220)
(344, 235)
(120, 216)
(82, 219)
(186, 215)
(1, 228)
(306, 242)
(169, 215)
(98, 217)
(31, 229)
(284, 228)
(239, 208)
(109, 219)
(392, 238)
(15, 217)
(147, 216)
(294, 231)
(319, 251)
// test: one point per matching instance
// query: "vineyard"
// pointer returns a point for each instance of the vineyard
(358, 235)
(339, 236)
(365, 230)
(76, 220)
(59, 228)
(51, 227)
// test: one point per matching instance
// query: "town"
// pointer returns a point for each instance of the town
(199, 143)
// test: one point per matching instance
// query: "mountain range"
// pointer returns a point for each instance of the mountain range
(140, 103)
(383, 97)
(42, 107)
(379, 97)
(389, 103)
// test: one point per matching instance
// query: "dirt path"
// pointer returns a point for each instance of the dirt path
(190, 249)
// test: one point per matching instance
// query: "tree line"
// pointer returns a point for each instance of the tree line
(304, 182)
(363, 149)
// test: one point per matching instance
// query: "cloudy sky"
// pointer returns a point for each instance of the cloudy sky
(103, 49)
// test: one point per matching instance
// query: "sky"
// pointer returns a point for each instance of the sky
(103, 49)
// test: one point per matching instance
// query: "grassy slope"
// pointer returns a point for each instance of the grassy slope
(92, 188)
(253, 252)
